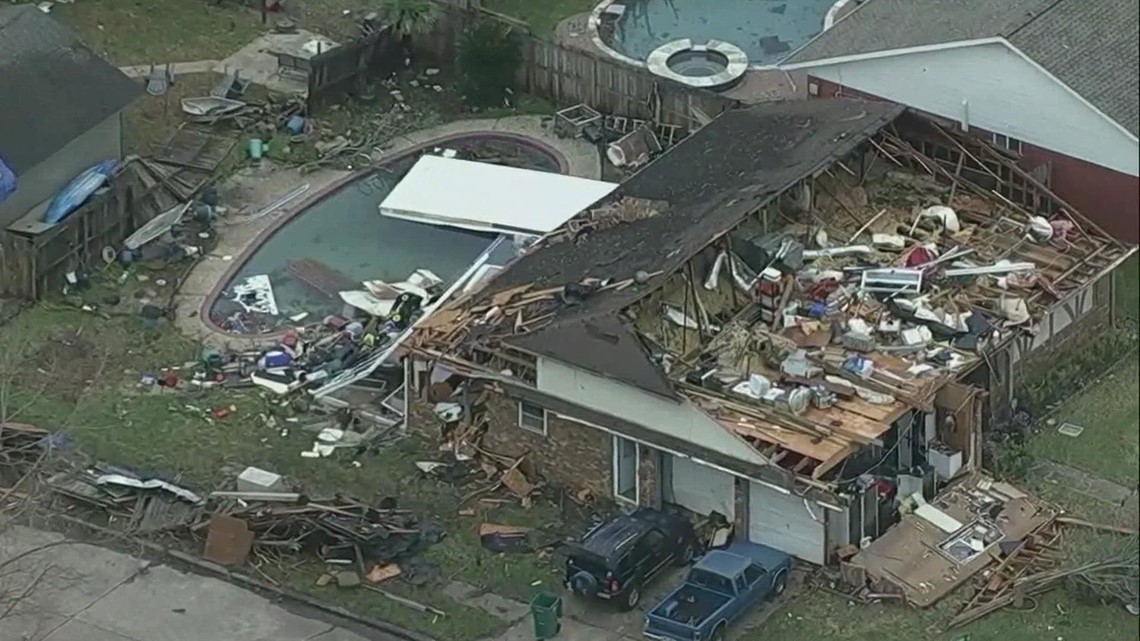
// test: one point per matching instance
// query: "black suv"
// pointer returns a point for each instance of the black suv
(623, 553)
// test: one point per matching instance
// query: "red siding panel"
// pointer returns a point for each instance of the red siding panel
(1108, 198)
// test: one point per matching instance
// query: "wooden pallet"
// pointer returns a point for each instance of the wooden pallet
(320, 277)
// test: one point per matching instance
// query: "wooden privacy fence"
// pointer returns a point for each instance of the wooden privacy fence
(32, 264)
(566, 76)
(334, 73)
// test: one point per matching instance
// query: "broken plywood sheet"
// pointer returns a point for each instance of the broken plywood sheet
(798, 442)
(907, 559)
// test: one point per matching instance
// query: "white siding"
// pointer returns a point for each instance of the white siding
(677, 419)
(703, 489)
(1059, 318)
(787, 522)
(994, 88)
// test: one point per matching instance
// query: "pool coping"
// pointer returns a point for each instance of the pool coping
(202, 309)
(595, 20)
(736, 67)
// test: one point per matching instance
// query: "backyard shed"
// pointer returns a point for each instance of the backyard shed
(67, 116)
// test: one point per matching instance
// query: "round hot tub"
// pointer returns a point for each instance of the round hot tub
(714, 65)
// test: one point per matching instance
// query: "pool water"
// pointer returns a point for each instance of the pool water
(698, 64)
(766, 30)
(345, 232)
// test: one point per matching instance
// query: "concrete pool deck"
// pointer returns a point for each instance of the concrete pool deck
(253, 188)
(758, 85)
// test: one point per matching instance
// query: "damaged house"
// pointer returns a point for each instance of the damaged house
(795, 318)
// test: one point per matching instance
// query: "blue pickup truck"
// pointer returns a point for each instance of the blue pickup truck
(720, 587)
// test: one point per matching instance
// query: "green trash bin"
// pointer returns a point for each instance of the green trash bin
(546, 610)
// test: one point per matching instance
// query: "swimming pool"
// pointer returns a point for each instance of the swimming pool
(766, 30)
(341, 240)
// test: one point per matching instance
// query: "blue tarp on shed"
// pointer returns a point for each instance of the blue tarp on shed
(7, 181)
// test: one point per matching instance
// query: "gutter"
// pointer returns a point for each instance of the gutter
(767, 475)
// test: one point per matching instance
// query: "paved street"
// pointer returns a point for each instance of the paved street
(87, 593)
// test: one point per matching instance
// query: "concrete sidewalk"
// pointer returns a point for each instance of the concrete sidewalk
(81, 592)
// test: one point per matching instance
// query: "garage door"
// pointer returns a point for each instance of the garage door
(702, 489)
(786, 522)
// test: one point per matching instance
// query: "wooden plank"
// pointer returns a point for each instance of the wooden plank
(835, 459)
(848, 421)
(881, 413)
(818, 449)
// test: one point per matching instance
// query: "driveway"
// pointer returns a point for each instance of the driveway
(585, 620)
(78, 592)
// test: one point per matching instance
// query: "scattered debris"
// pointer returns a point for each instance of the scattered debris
(228, 540)
(1071, 430)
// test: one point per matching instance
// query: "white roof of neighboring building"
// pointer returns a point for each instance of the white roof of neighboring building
(1090, 46)
(485, 197)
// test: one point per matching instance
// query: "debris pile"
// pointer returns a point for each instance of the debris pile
(340, 531)
(146, 503)
(963, 533)
(472, 464)
(811, 328)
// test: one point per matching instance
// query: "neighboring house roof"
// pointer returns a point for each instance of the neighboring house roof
(1089, 45)
(1093, 46)
(711, 181)
(59, 88)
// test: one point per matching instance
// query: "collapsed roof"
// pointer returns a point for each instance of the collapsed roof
(882, 284)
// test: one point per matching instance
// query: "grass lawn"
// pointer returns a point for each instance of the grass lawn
(133, 32)
(1128, 288)
(820, 615)
(1110, 413)
(542, 15)
(77, 372)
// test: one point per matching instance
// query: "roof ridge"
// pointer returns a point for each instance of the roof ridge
(1042, 9)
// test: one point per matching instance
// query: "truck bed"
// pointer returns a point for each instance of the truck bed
(690, 605)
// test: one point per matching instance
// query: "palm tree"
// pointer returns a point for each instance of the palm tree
(410, 17)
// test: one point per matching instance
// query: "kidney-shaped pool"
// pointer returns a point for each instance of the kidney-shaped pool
(341, 239)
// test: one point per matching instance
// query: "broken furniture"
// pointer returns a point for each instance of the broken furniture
(634, 149)
(158, 81)
(230, 86)
(571, 122)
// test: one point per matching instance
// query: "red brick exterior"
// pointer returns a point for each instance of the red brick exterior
(570, 454)
(1107, 197)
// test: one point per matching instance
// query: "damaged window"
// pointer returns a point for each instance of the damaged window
(532, 417)
(625, 469)
(1007, 143)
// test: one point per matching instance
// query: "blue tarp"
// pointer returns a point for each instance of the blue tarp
(7, 181)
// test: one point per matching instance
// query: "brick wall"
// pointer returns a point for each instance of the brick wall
(571, 454)
(649, 473)
(1109, 198)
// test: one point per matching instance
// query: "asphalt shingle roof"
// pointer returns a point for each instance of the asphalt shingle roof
(1089, 45)
(711, 181)
(886, 25)
(52, 87)
(1093, 46)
